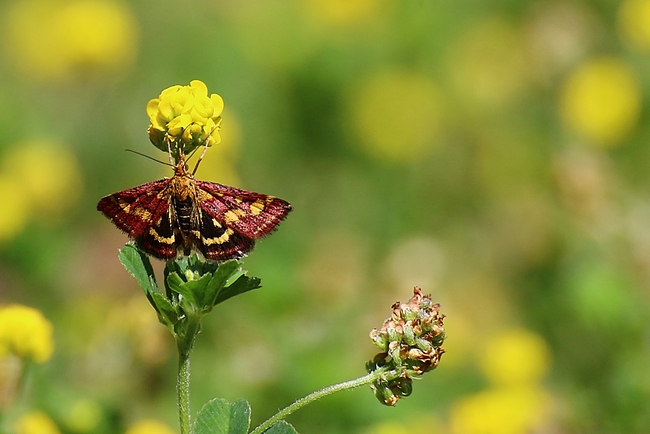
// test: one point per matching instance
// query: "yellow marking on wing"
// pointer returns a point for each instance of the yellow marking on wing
(163, 240)
(216, 223)
(202, 195)
(126, 207)
(258, 206)
(143, 214)
(232, 216)
(218, 240)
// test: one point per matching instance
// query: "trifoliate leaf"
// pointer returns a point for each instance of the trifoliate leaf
(218, 416)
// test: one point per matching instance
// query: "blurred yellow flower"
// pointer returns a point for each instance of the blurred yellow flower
(398, 115)
(343, 12)
(71, 36)
(14, 217)
(186, 115)
(36, 422)
(96, 33)
(149, 426)
(83, 416)
(634, 22)
(500, 411)
(601, 101)
(26, 333)
(48, 175)
(515, 357)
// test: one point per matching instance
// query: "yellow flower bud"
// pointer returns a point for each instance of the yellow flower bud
(26, 333)
(184, 118)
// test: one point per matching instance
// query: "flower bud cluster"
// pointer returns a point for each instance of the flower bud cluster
(410, 342)
(184, 118)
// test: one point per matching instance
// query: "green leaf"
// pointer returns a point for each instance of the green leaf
(199, 264)
(240, 417)
(176, 284)
(167, 313)
(218, 281)
(224, 272)
(198, 288)
(281, 427)
(178, 265)
(234, 276)
(218, 416)
(241, 285)
(139, 266)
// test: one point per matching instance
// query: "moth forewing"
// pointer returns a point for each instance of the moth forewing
(181, 214)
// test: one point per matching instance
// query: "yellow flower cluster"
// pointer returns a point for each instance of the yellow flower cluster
(26, 333)
(184, 118)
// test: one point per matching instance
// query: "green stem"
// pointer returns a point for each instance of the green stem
(183, 391)
(366, 379)
(190, 326)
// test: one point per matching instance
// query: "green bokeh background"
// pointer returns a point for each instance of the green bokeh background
(420, 143)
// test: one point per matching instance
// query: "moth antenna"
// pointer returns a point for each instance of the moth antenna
(205, 148)
(169, 150)
(147, 156)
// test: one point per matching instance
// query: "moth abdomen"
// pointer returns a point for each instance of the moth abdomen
(185, 214)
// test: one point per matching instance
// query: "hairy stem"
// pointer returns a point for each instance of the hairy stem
(183, 391)
(362, 381)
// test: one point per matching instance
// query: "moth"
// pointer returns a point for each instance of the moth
(182, 214)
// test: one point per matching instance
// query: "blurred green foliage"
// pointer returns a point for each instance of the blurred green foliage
(494, 153)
